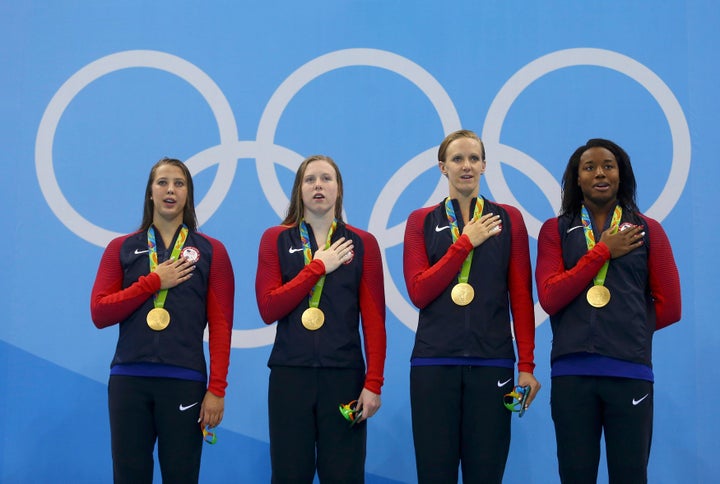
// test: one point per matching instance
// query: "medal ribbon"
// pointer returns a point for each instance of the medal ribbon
(316, 291)
(159, 298)
(455, 230)
(599, 279)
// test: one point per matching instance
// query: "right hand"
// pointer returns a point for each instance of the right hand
(622, 241)
(340, 252)
(528, 379)
(479, 230)
(173, 272)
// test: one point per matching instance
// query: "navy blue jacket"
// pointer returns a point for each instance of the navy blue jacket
(123, 293)
(624, 328)
(283, 283)
(500, 275)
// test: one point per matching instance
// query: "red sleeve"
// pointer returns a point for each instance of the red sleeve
(664, 278)
(275, 299)
(425, 282)
(372, 311)
(220, 310)
(520, 289)
(109, 302)
(556, 286)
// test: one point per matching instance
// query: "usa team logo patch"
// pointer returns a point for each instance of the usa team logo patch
(191, 254)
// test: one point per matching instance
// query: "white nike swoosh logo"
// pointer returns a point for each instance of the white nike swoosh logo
(292, 251)
(502, 384)
(573, 228)
(183, 407)
(138, 251)
(635, 402)
(440, 229)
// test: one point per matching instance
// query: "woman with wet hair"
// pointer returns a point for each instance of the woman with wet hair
(607, 277)
(466, 262)
(163, 285)
(321, 280)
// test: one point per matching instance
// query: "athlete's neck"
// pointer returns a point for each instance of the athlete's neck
(464, 201)
(320, 225)
(167, 228)
(599, 212)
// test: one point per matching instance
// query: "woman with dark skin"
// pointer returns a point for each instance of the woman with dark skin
(607, 277)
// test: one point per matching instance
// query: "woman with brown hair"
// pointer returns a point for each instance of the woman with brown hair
(163, 285)
(321, 280)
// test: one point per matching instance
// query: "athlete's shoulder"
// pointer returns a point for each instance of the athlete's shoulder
(216, 244)
(121, 240)
(278, 229)
(364, 235)
(274, 232)
(358, 231)
(550, 228)
(422, 212)
(649, 220)
(417, 217)
(654, 230)
(513, 212)
(551, 223)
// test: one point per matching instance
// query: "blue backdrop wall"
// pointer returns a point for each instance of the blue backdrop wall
(94, 92)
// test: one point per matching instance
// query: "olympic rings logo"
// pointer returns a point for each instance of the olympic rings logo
(266, 152)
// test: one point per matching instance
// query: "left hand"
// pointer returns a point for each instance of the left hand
(369, 402)
(211, 410)
(527, 379)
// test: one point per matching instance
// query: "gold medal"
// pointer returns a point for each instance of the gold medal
(158, 319)
(313, 318)
(462, 294)
(598, 296)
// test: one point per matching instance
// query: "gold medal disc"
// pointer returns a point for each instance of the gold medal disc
(313, 318)
(462, 294)
(598, 296)
(158, 319)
